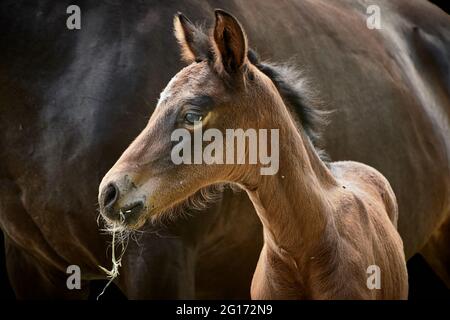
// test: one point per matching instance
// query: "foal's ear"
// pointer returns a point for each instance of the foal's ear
(229, 42)
(193, 41)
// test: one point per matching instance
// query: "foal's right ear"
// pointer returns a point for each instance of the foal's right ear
(230, 43)
(193, 41)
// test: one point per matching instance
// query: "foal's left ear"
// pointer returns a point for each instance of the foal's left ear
(230, 43)
(194, 43)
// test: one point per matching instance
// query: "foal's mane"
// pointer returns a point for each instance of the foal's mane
(297, 96)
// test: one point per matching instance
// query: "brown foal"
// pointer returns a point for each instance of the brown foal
(326, 224)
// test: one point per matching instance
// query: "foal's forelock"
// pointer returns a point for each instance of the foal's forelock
(188, 82)
(171, 87)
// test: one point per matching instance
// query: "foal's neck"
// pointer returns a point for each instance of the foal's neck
(295, 204)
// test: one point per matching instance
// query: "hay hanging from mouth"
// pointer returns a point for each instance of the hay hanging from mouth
(123, 236)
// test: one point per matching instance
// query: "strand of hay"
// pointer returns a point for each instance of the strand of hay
(116, 262)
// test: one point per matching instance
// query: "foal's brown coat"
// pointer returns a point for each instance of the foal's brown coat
(323, 225)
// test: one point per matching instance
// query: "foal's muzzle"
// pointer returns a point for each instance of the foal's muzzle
(117, 203)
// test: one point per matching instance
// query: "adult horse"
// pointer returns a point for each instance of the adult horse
(72, 100)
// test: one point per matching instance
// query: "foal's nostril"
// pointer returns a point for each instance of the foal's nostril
(110, 196)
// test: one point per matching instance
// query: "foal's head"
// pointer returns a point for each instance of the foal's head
(221, 89)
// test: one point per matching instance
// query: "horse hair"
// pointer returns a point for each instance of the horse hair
(294, 91)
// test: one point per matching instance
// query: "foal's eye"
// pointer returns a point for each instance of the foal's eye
(192, 117)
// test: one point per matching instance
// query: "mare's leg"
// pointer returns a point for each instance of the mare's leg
(437, 251)
(163, 268)
(33, 279)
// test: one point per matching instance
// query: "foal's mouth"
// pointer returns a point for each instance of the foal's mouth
(132, 209)
(127, 216)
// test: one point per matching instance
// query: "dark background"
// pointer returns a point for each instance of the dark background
(423, 283)
(443, 4)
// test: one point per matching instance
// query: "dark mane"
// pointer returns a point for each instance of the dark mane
(291, 86)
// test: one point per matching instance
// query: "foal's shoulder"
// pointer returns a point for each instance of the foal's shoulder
(360, 177)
